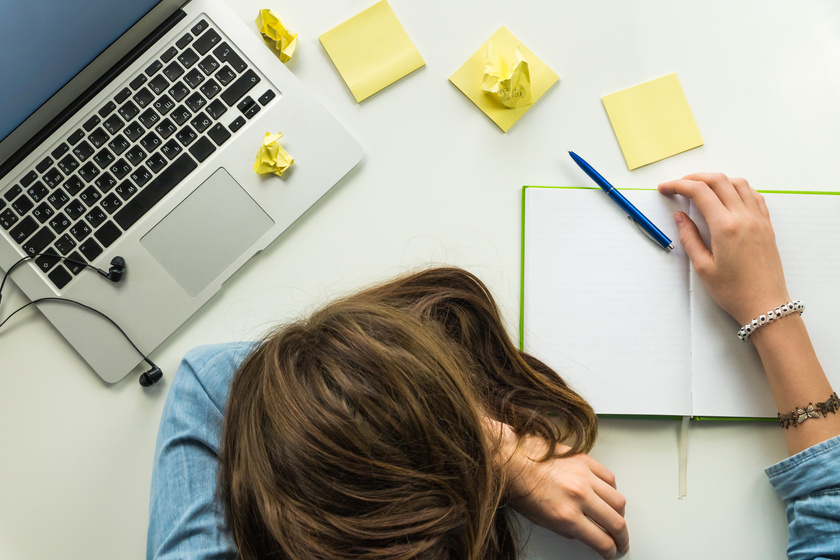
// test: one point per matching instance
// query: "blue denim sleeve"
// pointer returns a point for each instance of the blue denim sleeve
(809, 482)
(185, 518)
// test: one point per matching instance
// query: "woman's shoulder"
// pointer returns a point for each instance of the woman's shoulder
(208, 370)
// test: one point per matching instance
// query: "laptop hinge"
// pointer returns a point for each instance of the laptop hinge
(91, 92)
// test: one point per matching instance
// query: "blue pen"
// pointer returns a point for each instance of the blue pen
(628, 207)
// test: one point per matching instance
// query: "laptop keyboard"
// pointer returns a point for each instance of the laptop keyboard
(131, 152)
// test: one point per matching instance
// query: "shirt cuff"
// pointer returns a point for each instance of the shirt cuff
(811, 470)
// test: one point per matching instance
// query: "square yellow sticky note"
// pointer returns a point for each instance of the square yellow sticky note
(371, 50)
(469, 77)
(652, 121)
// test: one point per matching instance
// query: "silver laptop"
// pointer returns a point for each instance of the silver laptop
(130, 128)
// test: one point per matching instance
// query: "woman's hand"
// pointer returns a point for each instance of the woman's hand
(741, 270)
(573, 496)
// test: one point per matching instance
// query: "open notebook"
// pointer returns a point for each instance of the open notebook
(631, 326)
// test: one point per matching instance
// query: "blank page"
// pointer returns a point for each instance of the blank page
(603, 304)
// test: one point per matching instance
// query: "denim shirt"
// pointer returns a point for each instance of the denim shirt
(187, 521)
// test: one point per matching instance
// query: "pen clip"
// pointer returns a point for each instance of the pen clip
(643, 230)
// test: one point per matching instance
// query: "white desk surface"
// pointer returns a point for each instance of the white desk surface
(440, 183)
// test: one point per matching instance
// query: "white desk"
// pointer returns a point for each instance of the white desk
(441, 184)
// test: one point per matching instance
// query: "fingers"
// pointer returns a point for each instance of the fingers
(610, 496)
(746, 192)
(725, 190)
(699, 192)
(591, 534)
(601, 471)
(610, 520)
(693, 244)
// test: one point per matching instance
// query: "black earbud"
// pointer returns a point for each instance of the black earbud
(149, 378)
(115, 273)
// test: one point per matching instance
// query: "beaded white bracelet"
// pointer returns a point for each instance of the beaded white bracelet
(772, 315)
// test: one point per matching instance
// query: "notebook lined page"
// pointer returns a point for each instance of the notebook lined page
(605, 306)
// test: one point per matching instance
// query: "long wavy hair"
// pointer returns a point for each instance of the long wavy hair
(358, 432)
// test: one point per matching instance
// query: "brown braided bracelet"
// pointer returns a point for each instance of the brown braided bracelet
(796, 417)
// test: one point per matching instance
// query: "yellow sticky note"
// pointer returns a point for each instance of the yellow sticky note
(271, 157)
(470, 77)
(272, 29)
(652, 121)
(371, 50)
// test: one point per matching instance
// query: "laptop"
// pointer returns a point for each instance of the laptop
(130, 129)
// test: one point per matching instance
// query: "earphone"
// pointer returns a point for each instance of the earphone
(115, 274)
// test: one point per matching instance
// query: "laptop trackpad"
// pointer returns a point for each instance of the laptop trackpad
(207, 232)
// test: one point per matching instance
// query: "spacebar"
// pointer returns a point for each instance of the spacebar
(154, 191)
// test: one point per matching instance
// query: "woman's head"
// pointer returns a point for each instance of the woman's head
(357, 433)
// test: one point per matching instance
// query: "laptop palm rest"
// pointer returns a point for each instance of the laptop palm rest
(207, 232)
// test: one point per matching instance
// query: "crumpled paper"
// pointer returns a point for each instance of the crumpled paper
(511, 85)
(272, 158)
(272, 29)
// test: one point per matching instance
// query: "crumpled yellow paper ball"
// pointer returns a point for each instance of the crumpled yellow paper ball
(510, 84)
(273, 29)
(272, 158)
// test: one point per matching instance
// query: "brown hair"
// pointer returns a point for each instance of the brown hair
(357, 433)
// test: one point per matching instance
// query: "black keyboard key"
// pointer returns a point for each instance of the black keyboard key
(75, 209)
(73, 185)
(173, 71)
(28, 179)
(80, 230)
(158, 84)
(137, 82)
(120, 169)
(104, 158)
(107, 234)
(119, 144)
(91, 123)
(129, 110)
(211, 89)
(237, 123)
(64, 244)
(38, 242)
(44, 165)
(83, 150)
(199, 27)
(105, 183)
(58, 198)
(216, 109)
(60, 277)
(141, 176)
(10, 194)
(90, 196)
(153, 68)
(186, 136)
(69, 164)
(98, 137)
(74, 138)
(149, 118)
(43, 212)
(195, 102)
(88, 172)
(266, 97)
(90, 249)
(201, 122)
(47, 261)
(226, 54)
(156, 162)
(8, 218)
(171, 149)
(225, 75)
(107, 109)
(240, 87)
(202, 149)
(95, 217)
(179, 91)
(74, 263)
(143, 97)
(180, 115)
(168, 54)
(22, 204)
(155, 191)
(208, 65)
(24, 229)
(125, 190)
(165, 128)
(207, 41)
(245, 104)
(134, 131)
(219, 134)
(59, 222)
(194, 78)
(111, 203)
(53, 177)
(113, 124)
(37, 191)
(164, 104)
(124, 94)
(60, 150)
(184, 41)
(135, 155)
(188, 58)
(150, 142)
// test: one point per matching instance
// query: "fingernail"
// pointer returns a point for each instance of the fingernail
(679, 218)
